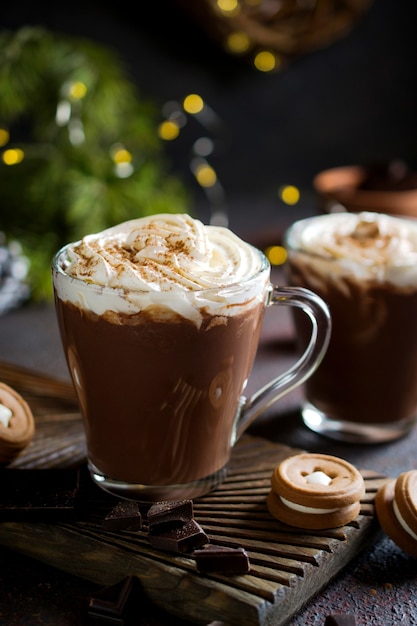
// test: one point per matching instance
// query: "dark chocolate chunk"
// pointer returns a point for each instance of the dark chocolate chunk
(124, 516)
(184, 539)
(340, 619)
(38, 494)
(109, 604)
(166, 515)
(222, 559)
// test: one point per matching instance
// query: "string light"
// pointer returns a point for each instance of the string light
(229, 7)
(204, 174)
(77, 90)
(168, 130)
(289, 194)
(4, 136)
(265, 61)
(238, 42)
(13, 156)
(276, 255)
(122, 159)
(193, 103)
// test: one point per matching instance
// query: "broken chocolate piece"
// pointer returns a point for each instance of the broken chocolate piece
(183, 539)
(340, 619)
(166, 515)
(38, 494)
(109, 604)
(222, 559)
(124, 516)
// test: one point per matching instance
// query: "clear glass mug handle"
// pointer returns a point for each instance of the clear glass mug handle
(317, 310)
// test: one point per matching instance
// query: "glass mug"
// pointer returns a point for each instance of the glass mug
(162, 396)
(365, 267)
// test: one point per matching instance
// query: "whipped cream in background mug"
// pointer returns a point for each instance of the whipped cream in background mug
(160, 319)
(365, 267)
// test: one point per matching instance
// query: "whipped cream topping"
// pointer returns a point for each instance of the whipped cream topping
(170, 260)
(373, 246)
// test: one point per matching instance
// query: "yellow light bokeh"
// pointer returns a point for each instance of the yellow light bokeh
(206, 176)
(193, 103)
(238, 42)
(230, 7)
(276, 255)
(77, 90)
(168, 130)
(122, 156)
(265, 61)
(13, 156)
(289, 194)
(4, 136)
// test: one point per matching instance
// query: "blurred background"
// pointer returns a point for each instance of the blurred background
(281, 90)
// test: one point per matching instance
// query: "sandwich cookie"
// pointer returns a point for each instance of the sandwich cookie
(315, 491)
(17, 426)
(396, 508)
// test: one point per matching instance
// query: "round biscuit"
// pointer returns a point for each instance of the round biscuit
(21, 428)
(311, 521)
(384, 501)
(289, 480)
(406, 498)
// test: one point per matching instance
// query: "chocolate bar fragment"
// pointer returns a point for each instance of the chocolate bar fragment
(222, 559)
(184, 539)
(39, 494)
(124, 516)
(169, 514)
(110, 604)
(340, 619)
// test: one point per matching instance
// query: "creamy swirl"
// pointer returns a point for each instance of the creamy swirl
(167, 260)
(372, 246)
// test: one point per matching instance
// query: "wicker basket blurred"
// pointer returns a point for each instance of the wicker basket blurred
(287, 28)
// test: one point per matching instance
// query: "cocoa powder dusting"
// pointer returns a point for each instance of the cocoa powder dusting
(365, 235)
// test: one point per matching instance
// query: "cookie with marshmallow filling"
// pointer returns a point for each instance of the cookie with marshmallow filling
(396, 509)
(17, 426)
(315, 491)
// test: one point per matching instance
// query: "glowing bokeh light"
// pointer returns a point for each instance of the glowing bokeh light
(276, 255)
(193, 103)
(77, 90)
(13, 156)
(203, 146)
(63, 113)
(123, 169)
(205, 175)
(4, 136)
(238, 42)
(168, 130)
(289, 194)
(265, 61)
(231, 7)
(121, 155)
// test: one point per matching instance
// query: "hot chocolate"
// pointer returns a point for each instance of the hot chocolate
(160, 357)
(365, 267)
(160, 319)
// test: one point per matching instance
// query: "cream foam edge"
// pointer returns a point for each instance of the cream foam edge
(227, 301)
(312, 237)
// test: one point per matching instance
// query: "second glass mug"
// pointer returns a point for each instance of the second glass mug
(162, 402)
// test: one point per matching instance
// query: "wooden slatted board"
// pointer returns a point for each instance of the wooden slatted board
(288, 567)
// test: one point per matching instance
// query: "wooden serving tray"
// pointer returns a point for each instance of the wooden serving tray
(288, 566)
